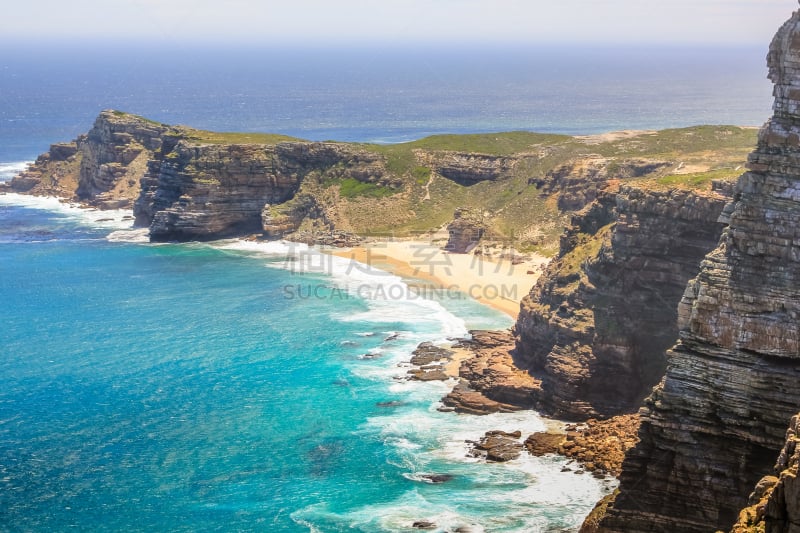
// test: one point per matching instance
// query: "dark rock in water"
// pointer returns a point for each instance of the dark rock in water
(423, 524)
(390, 404)
(428, 375)
(463, 399)
(427, 353)
(393, 336)
(498, 433)
(371, 356)
(323, 457)
(498, 446)
(341, 383)
(436, 478)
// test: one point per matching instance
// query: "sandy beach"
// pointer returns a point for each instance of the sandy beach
(496, 282)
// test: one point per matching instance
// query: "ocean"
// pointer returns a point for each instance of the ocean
(189, 387)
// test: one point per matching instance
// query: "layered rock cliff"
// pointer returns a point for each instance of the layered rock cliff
(715, 424)
(115, 153)
(774, 504)
(580, 181)
(209, 191)
(595, 326)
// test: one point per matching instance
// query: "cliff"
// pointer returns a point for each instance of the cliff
(716, 422)
(521, 187)
(595, 326)
(207, 191)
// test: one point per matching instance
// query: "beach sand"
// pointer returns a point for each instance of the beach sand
(495, 282)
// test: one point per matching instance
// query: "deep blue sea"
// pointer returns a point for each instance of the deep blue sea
(190, 387)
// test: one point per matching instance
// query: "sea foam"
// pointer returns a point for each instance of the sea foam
(111, 218)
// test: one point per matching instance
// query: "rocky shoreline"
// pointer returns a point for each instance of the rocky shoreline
(487, 379)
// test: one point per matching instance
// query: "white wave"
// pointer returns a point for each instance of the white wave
(398, 515)
(389, 297)
(111, 218)
(521, 495)
(9, 170)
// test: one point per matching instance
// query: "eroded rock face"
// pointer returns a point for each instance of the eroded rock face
(115, 154)
(211, 191)
(595, 327)
(208, 191)
(469, 169)
(464, 232)
(715, 424)
(580, 182)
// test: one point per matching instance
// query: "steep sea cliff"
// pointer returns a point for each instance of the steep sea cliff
(595, 326)
(717, 421)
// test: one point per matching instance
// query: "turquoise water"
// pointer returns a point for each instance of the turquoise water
(182, 388)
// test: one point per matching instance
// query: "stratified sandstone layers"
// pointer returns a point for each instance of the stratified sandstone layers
(715, 424)
(595, 327)
(115, 154)
(207, 191)
(774, 505)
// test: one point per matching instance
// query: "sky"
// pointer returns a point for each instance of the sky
(331, 22)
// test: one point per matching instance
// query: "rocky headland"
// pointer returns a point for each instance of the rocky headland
(515, 189)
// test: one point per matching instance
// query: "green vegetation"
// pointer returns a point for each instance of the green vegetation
(421, 175)
(352, 188)
(697, 180)
(213, 137)
(681, 141)
(588, 247)
(508, 143)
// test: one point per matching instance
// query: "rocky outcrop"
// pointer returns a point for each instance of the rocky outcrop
(498, 446)
(595, 327)
(464, 232)
(774, 504)
(208, 191)
(114, 156)
(470, 168)
(599, 446)
(54, 173)
(579, 182)
(714, 425)
(489, 381)
(278, 220)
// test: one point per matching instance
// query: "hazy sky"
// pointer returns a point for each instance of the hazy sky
(403, 21)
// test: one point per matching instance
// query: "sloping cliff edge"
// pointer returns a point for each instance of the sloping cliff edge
(717, 421)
